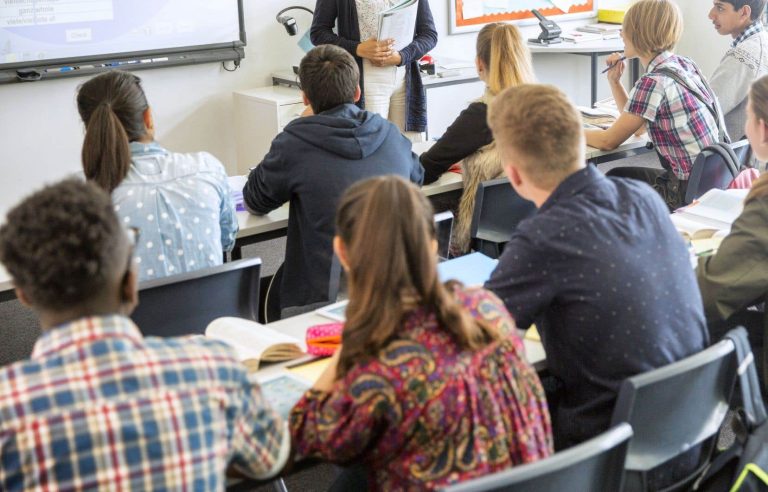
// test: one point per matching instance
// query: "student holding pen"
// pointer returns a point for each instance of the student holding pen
(672, 100)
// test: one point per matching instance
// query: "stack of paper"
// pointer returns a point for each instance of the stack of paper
(580, 37)
(601, 28)
(236, 185)
(399, 23)
(596, 117)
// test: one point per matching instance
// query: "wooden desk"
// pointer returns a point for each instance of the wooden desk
(594, 50)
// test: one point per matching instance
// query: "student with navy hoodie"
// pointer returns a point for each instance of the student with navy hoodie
(314, 160)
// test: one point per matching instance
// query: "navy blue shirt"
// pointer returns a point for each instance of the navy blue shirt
(311, 163)
(606, 278)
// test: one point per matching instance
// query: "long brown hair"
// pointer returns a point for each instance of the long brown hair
(387, 227)
(506, 57)
(758, 104)
(112, 106)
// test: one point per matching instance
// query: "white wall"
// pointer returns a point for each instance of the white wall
(41, 133)
(700, 40)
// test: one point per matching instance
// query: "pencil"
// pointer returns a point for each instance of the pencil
(611, 66)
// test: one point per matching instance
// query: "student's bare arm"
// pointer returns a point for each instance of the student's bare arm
(618, 133)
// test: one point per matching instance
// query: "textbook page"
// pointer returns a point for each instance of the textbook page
(254, 342)
(399, 23)
(720, 205)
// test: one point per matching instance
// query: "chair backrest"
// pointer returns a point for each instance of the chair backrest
(597, 464)
(676, 407)
(743, 153)
(714, 167)
(443, 230)
(498, 210)
(184, 304)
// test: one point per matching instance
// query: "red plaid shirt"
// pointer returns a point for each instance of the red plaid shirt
(679, 124)
(98, 406)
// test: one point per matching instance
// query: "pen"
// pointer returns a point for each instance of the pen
(611, 66)
(60, 69)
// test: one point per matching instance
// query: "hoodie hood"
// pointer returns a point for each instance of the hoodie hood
(345, 130)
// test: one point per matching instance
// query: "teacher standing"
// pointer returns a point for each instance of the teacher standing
(390, 79)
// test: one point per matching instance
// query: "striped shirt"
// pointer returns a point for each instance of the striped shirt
(679, 124)
(100, 407)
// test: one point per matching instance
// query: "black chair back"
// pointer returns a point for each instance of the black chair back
(184, 304)
(714, 167)
(675, 408)
(498, 210)
(743, 153)
(443, 230)
(594, 465)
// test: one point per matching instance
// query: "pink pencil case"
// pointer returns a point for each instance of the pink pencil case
(323, 340)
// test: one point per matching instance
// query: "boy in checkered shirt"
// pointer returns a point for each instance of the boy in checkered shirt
(97, 406)
(672, 101)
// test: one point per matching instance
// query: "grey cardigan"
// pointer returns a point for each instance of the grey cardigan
(740, 66)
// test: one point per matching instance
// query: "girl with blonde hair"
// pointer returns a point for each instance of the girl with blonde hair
(503, 61)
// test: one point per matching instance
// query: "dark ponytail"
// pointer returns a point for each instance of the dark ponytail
(112, 106)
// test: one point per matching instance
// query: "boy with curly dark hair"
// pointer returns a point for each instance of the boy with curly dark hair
(97, 405)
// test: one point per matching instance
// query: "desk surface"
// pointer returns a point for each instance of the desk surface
(297, 327)
(251, 225)
(601, 46)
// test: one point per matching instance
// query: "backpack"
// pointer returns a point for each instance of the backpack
(744, 466)
(671, 189)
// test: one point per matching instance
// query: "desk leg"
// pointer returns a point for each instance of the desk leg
(595, 75)
(634, 71)
(237, 253)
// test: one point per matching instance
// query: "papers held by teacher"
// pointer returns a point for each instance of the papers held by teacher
(399, 23)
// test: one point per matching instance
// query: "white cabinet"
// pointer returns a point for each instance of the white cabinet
(260, 114)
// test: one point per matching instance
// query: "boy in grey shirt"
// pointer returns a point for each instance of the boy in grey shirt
(744, 62)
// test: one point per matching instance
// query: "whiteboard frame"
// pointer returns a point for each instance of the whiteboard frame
(454, 29)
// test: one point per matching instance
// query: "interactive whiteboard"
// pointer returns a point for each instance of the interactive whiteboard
(57, 36)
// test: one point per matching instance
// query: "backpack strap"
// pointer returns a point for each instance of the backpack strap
(725, 151)
(713, 107)
(748, 381)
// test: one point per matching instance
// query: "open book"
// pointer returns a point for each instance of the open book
(255, 342)
(711, 215)
(399, 23)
